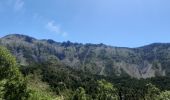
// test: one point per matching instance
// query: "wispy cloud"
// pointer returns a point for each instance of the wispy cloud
(15, 5)
(55, 28)
(18, 5)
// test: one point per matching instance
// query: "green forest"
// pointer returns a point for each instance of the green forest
(51, 80)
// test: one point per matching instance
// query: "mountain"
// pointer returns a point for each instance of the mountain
(142, 62)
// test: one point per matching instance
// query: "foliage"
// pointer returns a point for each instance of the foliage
(69, 84)
(165, 95)
(106, 91)
(39, 90)
(80, 94)
(152, 92)
(14, 86)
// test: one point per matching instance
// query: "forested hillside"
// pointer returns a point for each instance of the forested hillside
(49, 70)
(51, 80)
(85, 50)
(98, 59)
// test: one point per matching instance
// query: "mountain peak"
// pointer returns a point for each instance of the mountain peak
(19, 37)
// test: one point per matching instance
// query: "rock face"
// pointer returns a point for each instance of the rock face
(143, 62)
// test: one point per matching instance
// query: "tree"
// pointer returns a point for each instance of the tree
(152, 92)
(106, 91)
(14, 85)
(164, 95)
(80, 94)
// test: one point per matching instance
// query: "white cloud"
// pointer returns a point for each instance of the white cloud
(52, 27)
(18, 5)
(15, 5)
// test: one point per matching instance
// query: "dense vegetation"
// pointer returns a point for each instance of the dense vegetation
(47, 70)
(77, 85)
(12, 84)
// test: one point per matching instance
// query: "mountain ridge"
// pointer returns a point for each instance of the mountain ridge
(27, 36)
(141, 62)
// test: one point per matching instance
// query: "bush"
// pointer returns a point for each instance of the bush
(13, 84)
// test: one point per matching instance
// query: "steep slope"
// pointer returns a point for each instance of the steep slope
(147, 61)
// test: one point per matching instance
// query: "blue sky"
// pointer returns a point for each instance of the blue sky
(125, 23)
